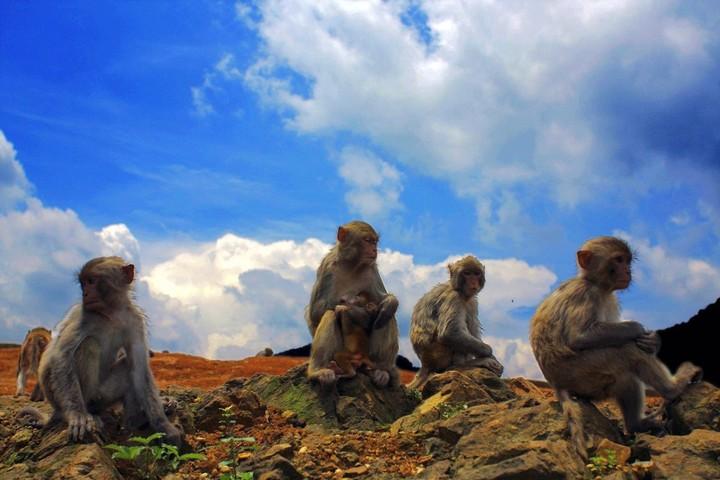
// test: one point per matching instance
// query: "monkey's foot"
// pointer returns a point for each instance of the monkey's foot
(325, 376)
(689, 373)
(380, 377)
(81, 425)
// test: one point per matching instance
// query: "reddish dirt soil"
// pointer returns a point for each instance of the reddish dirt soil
(180, 370)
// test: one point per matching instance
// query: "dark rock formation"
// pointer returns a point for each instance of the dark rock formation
(696, 341)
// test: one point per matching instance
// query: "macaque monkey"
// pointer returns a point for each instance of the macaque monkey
(445, 329)
(100, 357)
(348, 269)
(584, 350)
(35, 343)
(356, 316)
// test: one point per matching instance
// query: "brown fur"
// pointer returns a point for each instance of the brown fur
(348, 269)
(445, 329)
(584, 350)
(356, 316)
(100, 357)
(31, 351)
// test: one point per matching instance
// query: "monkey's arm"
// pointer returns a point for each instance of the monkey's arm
(453, 331)
(604, 334)
(386, 310)
(319, 300)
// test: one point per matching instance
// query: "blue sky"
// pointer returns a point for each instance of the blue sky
(219, 145)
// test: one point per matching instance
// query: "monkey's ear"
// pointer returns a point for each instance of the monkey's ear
(342, 234)
(584, 257)
(129, 272)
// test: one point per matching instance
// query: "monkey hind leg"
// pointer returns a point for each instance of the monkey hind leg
(655, 374)
(37, 393)
(630, 395)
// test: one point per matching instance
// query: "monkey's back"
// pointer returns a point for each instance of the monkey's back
(550, 325)
(438, 306)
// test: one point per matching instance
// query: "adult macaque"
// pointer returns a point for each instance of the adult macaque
(100, 357)
(356, 316)
(347, 270)
(584, 350)
(35, 343)
(445, 329)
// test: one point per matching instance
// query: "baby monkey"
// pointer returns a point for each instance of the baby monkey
(355, 316)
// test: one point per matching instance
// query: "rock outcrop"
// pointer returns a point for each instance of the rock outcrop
(462, 425)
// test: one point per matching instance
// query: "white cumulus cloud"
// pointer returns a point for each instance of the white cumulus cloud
(374, 185)
(14, 185)
(681, 277)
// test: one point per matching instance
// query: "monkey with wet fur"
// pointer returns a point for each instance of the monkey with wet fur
(348, 269)
(31, 351)
(584, 350)
(445, 329)
(100, 357)
(356, 316)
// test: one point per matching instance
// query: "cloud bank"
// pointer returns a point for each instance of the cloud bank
(514, 103)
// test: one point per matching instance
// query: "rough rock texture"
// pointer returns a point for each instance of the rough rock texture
(247, 406)
(690, 457)
(54, 459)
(462, 425)
(354, 403)
(698, 407)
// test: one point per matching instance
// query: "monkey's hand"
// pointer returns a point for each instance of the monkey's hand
(173, 435)
(326, 376)
(388, 307)
(80, 424)
(649, 342)
(380, 377)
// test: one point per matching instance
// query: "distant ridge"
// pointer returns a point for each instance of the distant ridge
(304, 351)
(697, 341)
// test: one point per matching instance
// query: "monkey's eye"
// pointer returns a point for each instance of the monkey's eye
(371, 240)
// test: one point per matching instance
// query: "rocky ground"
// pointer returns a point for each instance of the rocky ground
(462, 425)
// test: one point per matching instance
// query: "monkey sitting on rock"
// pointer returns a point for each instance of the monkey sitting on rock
(100, 357)
(584, 350)
(347, 270)
(445, 329)
(31, 351)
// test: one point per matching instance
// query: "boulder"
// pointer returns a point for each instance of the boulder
(522, 438)
(689, 457)
(353, 403)
(246, 406)
(445, 394)
(698, 407)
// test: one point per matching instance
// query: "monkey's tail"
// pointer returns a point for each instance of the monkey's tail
(573, 418)
(32, 417)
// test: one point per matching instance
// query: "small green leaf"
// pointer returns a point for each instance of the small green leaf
(148, 439)
(191, 456)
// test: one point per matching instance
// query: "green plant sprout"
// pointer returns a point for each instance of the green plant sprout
(235, 445)
(151, 461)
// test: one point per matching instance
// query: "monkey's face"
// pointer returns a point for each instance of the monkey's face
(368, 248)
(472, 281)
(620, 272)
(94, 291)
